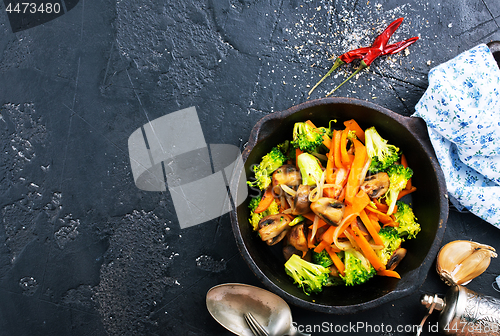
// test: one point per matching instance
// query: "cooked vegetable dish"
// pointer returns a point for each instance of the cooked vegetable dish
(333, 199)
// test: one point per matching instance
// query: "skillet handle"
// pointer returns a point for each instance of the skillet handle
(263, 129)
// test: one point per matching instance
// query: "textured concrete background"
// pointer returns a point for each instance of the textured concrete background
(82, 250)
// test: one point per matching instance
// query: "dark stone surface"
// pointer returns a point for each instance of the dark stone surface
(82, 250)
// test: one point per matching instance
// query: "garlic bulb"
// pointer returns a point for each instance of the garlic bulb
(460, 261)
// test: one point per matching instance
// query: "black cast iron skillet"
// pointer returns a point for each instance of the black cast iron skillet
(430, 204)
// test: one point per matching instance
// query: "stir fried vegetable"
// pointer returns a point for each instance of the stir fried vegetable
(357, 269)
(307, 138)
(256, 217)
(407, 225)
(335, 205)
(308, 276)
(270, 162)
(382, 154)
(398, 177)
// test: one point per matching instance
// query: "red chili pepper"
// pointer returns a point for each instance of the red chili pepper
(350, 56)
(398, 46)
(359, 53)
(377, 49)
(369, 54)
(382, 40)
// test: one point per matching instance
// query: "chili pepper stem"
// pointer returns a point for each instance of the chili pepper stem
(338, 62)
(362, 66)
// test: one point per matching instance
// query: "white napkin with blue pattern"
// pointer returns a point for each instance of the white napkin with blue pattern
(461, 107)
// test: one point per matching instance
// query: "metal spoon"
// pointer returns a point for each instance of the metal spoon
(228, 303)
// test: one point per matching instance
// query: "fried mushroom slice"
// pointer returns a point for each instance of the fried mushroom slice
(288, 175)
(376, 185)
(329, 209)
(273, 228)
(395, 259)
(301, 203)
(289, 250)
(297, 237)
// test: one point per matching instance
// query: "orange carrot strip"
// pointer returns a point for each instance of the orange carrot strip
(265, 201)
(297, 153)
(310, 123)
(375, 211)
(328, 235)
(329, 192)
(408, 184)
(382, 217)
(346, 160)
(389, 273)
(353, 126)
(371, 229)
(381, 206)
(336, 260)
(321, 223)
(360, 201)
(317, 223)
(330, 169)
(342, 195)
(336, 145)
(374, 219)
(357, 166)
(404, 162)
(391, 223)
(327, 141)
(405, 192)
(321, 246)
(368, 251)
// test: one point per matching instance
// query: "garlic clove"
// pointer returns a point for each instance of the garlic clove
(460, 261)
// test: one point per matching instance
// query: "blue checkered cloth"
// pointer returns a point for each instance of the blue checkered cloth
(461, 107)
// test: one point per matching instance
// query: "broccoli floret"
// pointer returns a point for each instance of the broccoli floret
(297, 220)
(306, 137)
(287, 149)
(391, 240)
(408, 227)
(310, 169)
(328, 131)
(357, 271)
(256, 217)
(322, 258)
(308, 276)
(382, 154)
(263, 171)
(398, 176)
